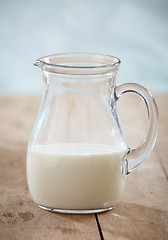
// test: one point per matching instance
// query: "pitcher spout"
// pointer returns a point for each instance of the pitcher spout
(38, 63)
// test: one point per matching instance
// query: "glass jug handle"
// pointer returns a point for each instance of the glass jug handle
(135, 156)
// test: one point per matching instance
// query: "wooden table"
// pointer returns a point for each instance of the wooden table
(142, 212)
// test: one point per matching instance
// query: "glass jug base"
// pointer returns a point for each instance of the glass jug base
(85, 211)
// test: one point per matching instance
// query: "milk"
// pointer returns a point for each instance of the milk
(75, 176)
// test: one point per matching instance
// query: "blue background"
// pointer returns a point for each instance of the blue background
(135, 31)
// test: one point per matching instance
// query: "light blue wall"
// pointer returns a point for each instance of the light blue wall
(135, 31)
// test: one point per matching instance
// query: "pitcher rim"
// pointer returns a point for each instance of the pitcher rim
(112, 61)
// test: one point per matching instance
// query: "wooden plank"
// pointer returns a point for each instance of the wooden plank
(142, 214)
(17, 118)
(147, 185)
(20, 218)
(133, 221)
(162, 141)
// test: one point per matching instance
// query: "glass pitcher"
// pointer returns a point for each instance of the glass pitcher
(77, 157)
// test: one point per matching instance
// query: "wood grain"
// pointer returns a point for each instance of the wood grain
(142, 213)
(162, 141)
(20, 218)
(144, 205)
(133, 221)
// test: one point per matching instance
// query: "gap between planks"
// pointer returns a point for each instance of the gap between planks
(99, 227)
(166, 176)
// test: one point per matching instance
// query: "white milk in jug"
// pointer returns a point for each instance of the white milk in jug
(75, 176)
